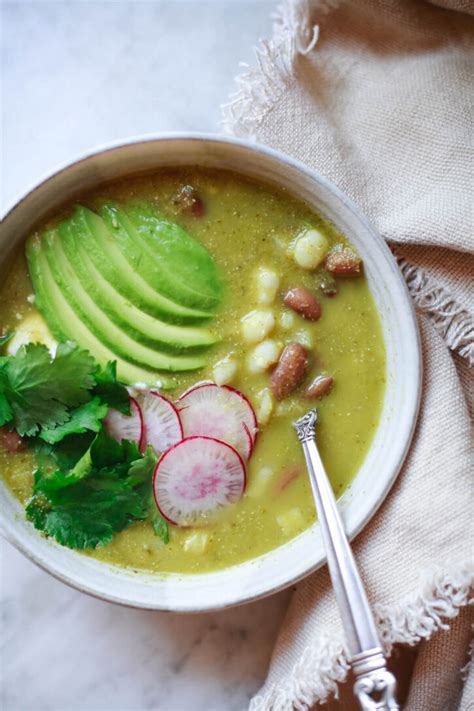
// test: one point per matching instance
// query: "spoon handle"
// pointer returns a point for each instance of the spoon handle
(375, 685)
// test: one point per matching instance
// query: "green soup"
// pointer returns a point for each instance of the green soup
(246, 226)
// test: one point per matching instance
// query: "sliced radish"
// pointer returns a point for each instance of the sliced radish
(199, 384)
(248, 413)
(196, 478)
(161, 422)
(220, 412)
(251, 440)
(120, 426)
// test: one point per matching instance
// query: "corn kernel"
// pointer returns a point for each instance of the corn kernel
(310, 249)
(265, 405)
(268, 282)
(263, 356)
(257, 325)
(225, 370)
(287, 320)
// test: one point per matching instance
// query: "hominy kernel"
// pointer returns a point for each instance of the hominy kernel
(257, 325)
(310, 249)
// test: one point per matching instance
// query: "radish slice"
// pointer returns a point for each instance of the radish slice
(248, 413)
(220, 412)
(199, 384)
(130, 427)
(250, 439)
(197, 478)
(161, 423)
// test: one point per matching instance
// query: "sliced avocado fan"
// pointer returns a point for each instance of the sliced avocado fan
(127, 286)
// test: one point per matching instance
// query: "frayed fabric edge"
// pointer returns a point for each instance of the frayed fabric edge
(316, 675)
(260, 88)
(451, 320)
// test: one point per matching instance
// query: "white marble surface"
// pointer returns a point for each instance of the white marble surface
(76, 74)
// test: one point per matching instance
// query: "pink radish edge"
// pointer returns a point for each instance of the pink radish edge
(204, 399)
(254, 434)
(187, 439)
(120, 415)
(146, 427)
(206, 384)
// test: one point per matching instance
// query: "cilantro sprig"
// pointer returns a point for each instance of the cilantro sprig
(107, 490)
(87, 486)
(53, 397)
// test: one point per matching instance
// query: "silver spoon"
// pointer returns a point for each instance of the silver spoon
(374, 686)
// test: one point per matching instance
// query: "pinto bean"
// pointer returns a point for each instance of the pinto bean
(11, 441)
(303, 302)
(320, 386)
(188, 200)
(290, 370)
(343, 261)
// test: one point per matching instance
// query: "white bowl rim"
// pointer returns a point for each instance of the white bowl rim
(8, 529)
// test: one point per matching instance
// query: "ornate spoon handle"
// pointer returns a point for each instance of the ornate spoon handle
(375, 685)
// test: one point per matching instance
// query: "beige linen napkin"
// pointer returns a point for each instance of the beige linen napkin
(377, 96)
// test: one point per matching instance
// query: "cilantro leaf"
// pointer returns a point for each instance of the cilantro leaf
(159, 523)
(6, 413)
(40, 390)
(141, 474)
(106, 490)
(63, 455)
(109, 390)
(141, 470)
(6, 337)
(82, 418)
(88, 514)
(58, 479)
(107, 452)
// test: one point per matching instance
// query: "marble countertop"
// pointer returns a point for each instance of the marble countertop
(76, 74)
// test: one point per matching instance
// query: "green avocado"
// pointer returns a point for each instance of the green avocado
(140, 325)
(66, 325)
(101, 246)
(91, 279)
(97, 320)
(167, 257)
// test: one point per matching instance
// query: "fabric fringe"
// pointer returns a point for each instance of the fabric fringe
(259, 88)
(315, 677)
(451, 320)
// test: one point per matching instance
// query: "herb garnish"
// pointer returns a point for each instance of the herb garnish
(107, 490)
(87, 486)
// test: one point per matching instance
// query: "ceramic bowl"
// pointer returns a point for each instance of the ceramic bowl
(305, 553)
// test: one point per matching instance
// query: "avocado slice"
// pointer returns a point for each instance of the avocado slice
(95, 238)
(66, 325)
(172, 245)
(170, 260)
(100, 324)
(141, 326)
